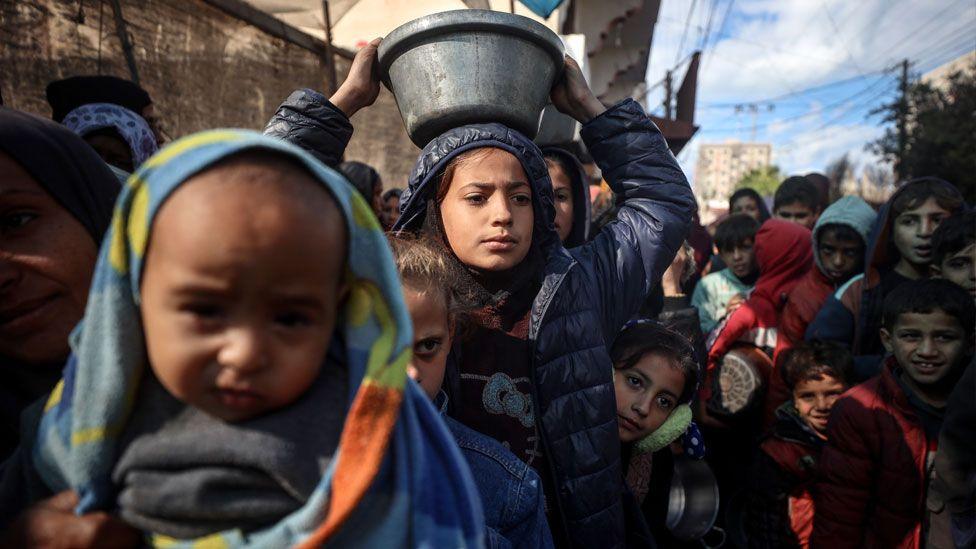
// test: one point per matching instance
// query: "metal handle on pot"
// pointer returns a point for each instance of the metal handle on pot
(721, 542)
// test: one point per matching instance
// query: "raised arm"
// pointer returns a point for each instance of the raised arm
(321, 126)
(655, 202)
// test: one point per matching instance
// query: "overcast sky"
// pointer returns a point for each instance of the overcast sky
(778, 50)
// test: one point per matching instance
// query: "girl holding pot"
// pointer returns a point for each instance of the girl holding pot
(535, 370)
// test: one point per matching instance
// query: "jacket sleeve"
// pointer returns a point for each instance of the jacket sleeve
(309, 120)
(655, 207)
(738, 323)
(844, 488)
(791, 322)
(699, 300)
(526, 524)
(834, 322)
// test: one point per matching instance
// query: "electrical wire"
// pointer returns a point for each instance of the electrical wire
(721, 29)
(840, 39)
(708, 26)
(681, 45)
(811, 112)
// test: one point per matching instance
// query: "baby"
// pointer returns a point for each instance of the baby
(245, 330)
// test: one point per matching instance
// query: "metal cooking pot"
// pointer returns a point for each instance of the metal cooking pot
(693, 500)
(467, 66)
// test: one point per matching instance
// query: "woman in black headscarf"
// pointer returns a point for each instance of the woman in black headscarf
(367, 181)
(748, 201)
(56, 200)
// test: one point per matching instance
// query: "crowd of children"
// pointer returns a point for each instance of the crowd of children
(237, 339)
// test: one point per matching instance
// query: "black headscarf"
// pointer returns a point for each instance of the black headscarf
(751, 193)
(67, 95)
(61, 162)
(363, 177)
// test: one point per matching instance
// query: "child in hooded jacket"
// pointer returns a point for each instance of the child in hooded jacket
(784, 255)
(779, 507)
(240, 380)
(534, 371)
(899, 250)
(511, 491)
(839, 240)
(875, 484)
(571, 196)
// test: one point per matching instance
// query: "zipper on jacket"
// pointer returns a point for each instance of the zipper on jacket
(533, 335)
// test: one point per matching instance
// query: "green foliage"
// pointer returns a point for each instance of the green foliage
(941, 133)
(762, 180)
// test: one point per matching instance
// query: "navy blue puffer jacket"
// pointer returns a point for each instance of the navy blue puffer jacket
(587, 293)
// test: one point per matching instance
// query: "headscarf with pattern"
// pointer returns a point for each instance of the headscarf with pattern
(398, 478)
(133, 128)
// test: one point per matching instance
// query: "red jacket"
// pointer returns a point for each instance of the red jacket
(871, 490)
(784, 255)
(801, 307)
(780, 506)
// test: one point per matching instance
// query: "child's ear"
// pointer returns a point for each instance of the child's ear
(886, 340)
(935, 270)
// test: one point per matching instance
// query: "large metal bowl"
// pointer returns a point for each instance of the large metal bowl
(467, 66)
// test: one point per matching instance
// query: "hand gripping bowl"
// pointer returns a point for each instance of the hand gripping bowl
(467, 66)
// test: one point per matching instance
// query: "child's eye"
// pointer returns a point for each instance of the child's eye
(427, 347)
(522, 199)
(292, 319)
(204, 310)
(475, 199)
(665, 403)
(634, 381)
(562, 196)
(16, 220)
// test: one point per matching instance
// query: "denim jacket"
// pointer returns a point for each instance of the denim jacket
(511, 491)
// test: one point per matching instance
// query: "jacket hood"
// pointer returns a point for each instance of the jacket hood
(881, 252)
(784, 254)
(425, 176)
(580, 232)
(851, 211)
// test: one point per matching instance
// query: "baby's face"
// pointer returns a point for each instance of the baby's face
(241, 285)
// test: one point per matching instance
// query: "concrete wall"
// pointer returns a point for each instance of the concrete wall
(203, 67)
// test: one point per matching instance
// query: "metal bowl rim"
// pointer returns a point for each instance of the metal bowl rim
(409, 34)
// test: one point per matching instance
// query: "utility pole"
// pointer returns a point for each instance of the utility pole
(668, 92)
(754, 109)
(903, 106)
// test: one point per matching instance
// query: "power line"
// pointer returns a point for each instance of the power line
(949, 39)
(917, 30)
(840, 39)
(811, 112)
(778, 98)
(721, 28)
(830, 123)
(684, 33)
(708, 26)
(670, 20)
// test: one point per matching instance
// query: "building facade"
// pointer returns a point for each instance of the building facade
(721, 165)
